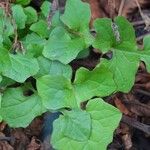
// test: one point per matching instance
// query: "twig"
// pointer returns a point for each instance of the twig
(145, 17)
(136, 124)
(121, 7)
(9, 139)
(137, 23)
(143, 92)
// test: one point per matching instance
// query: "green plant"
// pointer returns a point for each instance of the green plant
(32, 52)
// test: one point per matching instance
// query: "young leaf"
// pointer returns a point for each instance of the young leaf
(17, 67)
(19, 16)
(65, 46)
(56, 92)
(77, 20)
(45, 8)
(19, 110)
(105, 119)
(41, 28)
(53, 68)
(31, 15)
(62, 47)
(98, 82)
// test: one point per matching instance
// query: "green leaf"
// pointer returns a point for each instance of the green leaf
(1, 79)
(121, 36)
(56, 92)
(62, 47)
(145, 53)
(31, 15)
(19, 16)
(53, 68)
(98, 82)
(1, 40)
(33, 44)
(56, 20)
(6, 82)
(45, 8)
(65, 45)
(19, 110)
(41, 28)
(83, 54)
(77, 125)
(0, 107)
(105, 118)
(17, 67)
(124, 66)
(88, 84)
(77, 20)
(120, 39)
(6, 27)
(23, 2)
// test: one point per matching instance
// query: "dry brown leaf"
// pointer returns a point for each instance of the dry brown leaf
(4, 145)
(33, 145)
(110, 8)
(138, 108)
(121, 106)
(96, 11)
(130, 6)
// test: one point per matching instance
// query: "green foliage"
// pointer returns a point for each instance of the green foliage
(56, 92)
(67, 41)
(126, 55)
(35, 73)
(102, 119)
(45, 8)
(19, 16)
(31, 15)
(19, 110)
(23, 2)
(98, 82)
(17, 67)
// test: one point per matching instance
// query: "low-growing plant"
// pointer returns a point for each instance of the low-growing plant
(35, 75)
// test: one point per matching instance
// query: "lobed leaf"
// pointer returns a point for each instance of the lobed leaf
(65, 43)
(19, 110)
(62, 47)
(126, 56)
(98, 82)
(17, 67)
(104, 120)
